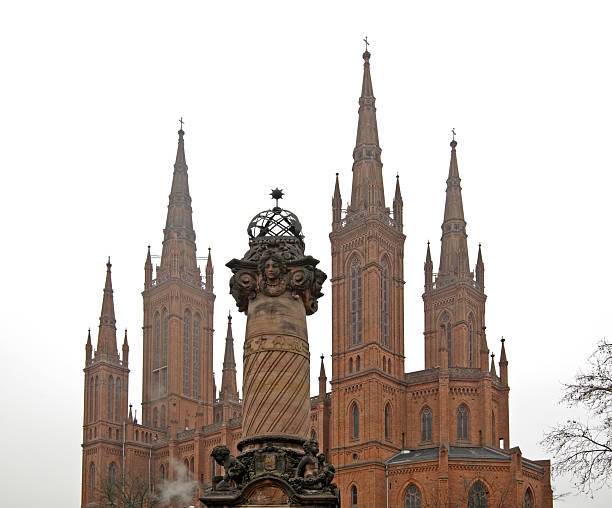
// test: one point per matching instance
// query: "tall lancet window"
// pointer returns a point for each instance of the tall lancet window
(91, 399)
(186, 351)
(111, 392)
(384, 303)
(446, 337)
(164, 352)
(96, 400)
(462, 423)
(196, 356)
(471, 341)
(156, 353)
(356, 291)
(118, 400)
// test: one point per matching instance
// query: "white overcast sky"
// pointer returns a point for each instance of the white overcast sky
(90, 97)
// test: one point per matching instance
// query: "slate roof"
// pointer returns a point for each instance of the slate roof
(455, 452)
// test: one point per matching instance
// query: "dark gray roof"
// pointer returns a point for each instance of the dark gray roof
(455, 452)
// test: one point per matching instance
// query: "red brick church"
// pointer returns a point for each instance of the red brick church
(438, 437)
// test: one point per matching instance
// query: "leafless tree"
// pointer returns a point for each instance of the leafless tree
(584, 449)
(131, 492)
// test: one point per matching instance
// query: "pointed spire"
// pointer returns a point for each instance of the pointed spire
(229, 389)
(454, 253)
(493, 372)
(126, 349)
(130, 417)
(503, 363)
(368, 191)
(88, 347)
(148, 268)
(336, 206)
(480, 270)
(398, 206)
(428, 267)
(209, 272)
(179, 250)
(322, 380)
(107, 333)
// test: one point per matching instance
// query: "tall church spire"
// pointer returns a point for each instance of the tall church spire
(228, 380)
(368, 191)
(454, 260)
(107, 332)
(179, 222)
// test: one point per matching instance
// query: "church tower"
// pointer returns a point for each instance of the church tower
(105, 399)
(470, 404)
(178, 320)
(367, 246)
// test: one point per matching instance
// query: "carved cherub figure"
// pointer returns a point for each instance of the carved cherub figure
(326, 469)
(234, 469)
(308, 467)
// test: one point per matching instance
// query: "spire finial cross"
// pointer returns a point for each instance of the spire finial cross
(453, 131)
(181, 122)
(366, 42)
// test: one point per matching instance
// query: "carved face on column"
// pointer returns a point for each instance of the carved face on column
(272, 270)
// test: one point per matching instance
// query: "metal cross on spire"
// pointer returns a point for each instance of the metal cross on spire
(453, 131)
(181, 122)
(366, 42)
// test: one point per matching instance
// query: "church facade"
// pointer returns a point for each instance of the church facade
(438, 437)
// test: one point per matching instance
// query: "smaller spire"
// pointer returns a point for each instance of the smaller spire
(229, 390)
(88, 347)
(209, 284)
(130, 417)
(336, 206)
(148, 268)
(480, 269)
(322, 380)
(503, 363)
(398, 206)
(493, 372)
(125, 349)
(428, 267)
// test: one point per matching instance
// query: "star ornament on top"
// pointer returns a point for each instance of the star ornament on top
(277, 194)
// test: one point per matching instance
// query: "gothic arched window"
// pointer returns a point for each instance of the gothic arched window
(112, 473)
(156, 353)
(493, 433)
(388, 421)
(528, 499)
(353, 495)
(163, 416)
(471, 340)
(155, 417)
(358, 364)
(384, 364)
(350, 365)
(162, 473)
(462, 422)
(92, 395)
(118, 400)
(445, 325)
(186, 351)
(413, 497)
(355, 288)
(426, 424)
(478, 496)
(355, 421)
(96, 398)
(196, 356)
(384, 302)
(164, 352)
(156, 341)
(111, 392)
(92, 481)
(186, 464)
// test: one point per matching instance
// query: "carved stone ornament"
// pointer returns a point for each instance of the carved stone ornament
(274, 275)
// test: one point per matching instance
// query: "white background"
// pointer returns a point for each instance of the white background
(90, 97)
